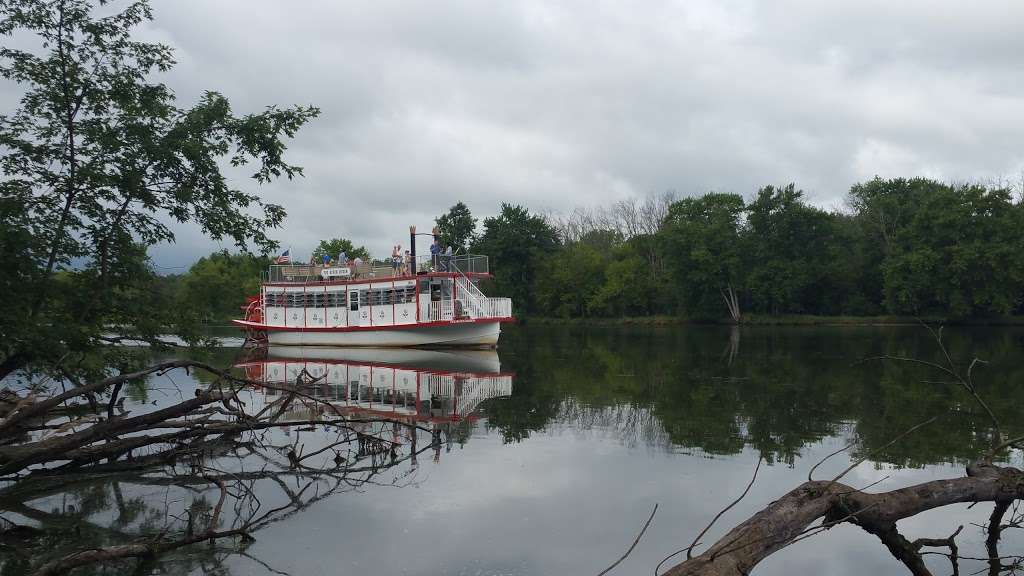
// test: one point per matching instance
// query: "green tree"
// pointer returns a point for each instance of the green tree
(335, 246)
(629, 286)
(216, 286)
(570, 279)
(705, 253)
(852, 279)
(788, 251)
(517, 243)
(954, 250)
(456, 227)
(99, 159)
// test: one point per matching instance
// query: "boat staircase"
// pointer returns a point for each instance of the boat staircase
(475, 304)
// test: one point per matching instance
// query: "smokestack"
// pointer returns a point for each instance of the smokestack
(412, 245)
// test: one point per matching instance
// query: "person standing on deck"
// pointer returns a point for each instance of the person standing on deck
(396, 259)
(435, 252)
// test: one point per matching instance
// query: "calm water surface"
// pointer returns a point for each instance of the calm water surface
(550, 458)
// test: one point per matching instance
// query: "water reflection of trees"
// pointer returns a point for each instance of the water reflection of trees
(673, 387)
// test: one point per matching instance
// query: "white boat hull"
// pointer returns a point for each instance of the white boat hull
(475, 334)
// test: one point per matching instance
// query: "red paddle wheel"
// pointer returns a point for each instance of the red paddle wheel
(253, 312)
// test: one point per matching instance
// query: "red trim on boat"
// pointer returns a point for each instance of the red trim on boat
(364, 328)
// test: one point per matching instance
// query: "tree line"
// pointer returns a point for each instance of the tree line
(900, 247)
(914, 247)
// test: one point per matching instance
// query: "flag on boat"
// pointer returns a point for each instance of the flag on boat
(284, 258)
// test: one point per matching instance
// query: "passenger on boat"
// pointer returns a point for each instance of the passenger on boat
(396, 259)
(446, 260)
(407, 267)
(342, 259)
(435, 253)
(327, 260)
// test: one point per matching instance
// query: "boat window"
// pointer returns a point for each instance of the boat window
(315, 299)
(336, 299)
(379, 297)
(405, 295)
(273, 300)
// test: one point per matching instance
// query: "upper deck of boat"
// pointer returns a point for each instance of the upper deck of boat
(470, 265)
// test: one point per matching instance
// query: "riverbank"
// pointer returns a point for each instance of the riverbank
(783, 320)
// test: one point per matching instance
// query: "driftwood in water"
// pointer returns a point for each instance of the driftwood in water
(789, 518)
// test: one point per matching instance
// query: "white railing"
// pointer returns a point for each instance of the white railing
(500, 307)
(477, 305)
(465, 285)
(442, 310)
(464, 263)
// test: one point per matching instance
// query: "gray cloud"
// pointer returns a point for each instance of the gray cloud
(559, 104)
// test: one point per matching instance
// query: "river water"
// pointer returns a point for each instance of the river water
(547, 456)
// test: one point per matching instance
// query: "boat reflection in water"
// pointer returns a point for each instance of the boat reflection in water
(437, 390)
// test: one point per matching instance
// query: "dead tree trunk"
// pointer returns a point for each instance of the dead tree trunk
(731, 302)
(790, 517)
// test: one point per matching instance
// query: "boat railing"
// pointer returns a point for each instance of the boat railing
(477, 305)
(441, 310)
(465, 263)
(304, 273)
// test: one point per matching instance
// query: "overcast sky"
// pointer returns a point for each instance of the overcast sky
(559, 104)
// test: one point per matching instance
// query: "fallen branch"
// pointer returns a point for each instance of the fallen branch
(774, 527)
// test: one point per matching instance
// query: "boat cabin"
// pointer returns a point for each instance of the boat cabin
(442, 290)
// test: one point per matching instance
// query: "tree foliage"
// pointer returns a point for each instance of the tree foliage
(704, 250)
(948, 249)
(99, 160)
(788, 246)
(217, 285)
(517, 242)
(906, 247)
(335, 246)
(456, 227)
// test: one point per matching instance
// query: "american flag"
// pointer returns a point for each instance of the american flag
(284, 258)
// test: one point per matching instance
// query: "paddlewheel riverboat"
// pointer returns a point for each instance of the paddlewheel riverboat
(431, 301)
